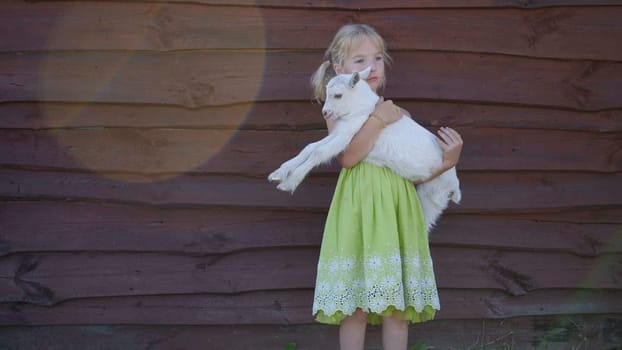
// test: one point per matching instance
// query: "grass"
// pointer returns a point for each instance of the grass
(569, 331)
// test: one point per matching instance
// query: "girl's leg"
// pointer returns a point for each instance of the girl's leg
(352, 331)
(394, 333)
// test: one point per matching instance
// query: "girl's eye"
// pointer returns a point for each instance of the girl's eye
(338, 96)
(379, 58)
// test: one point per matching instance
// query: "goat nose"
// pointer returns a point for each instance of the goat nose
(325, 114)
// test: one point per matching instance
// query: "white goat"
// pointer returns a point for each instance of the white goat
(406, 147)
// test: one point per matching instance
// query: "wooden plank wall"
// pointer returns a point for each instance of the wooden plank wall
(135, 138)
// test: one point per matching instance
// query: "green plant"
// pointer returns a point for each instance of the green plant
(420, 345)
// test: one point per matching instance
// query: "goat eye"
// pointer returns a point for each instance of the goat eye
(338, 96)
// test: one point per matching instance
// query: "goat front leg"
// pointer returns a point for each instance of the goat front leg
(284, 171)
(325, 150)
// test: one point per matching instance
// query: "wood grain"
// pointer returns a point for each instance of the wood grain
(40, 226)
(289, 307)
(50, 278)
(136, 136)
(198, 79)
(558, 332)
(217, 151)
(293, 115)
(126, 228)
(370, 4)
(481, 191)
(568, 33)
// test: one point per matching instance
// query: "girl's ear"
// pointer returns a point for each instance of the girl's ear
(337, 68)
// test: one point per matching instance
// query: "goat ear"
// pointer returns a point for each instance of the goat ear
(355, 79)
(365, 72)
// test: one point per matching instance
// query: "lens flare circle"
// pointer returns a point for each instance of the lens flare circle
(125, 103)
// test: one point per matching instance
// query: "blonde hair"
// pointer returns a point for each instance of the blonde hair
(336, 53)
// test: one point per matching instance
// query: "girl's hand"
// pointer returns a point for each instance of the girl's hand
(451, 143)
(387, 111)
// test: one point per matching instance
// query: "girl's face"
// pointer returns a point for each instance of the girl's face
(363, 54)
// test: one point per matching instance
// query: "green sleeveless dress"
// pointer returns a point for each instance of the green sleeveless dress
(375, 253)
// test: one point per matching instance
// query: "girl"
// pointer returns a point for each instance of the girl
(375, 265)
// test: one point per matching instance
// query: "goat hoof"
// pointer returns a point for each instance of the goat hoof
(274, 179)
(285, 187)
(275, 176)
(278, 176)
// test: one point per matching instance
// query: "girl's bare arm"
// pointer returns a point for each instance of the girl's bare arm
(451, 143)
(363, 141)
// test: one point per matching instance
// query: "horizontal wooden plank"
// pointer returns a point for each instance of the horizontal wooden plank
(293, 115)
(570, 32)
(264, 307)
(293, 307)
(484, 304)
(481, 191)
(400, 4)
(196, 78)
(89, 227)
(45, 226)
(517, 273)
(550, 332)
(585, 233)
(511, 191)
(481, 115)
(50, 278)
(370, 4)
(218, 151)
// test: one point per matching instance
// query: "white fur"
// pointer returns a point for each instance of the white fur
(406, 147)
